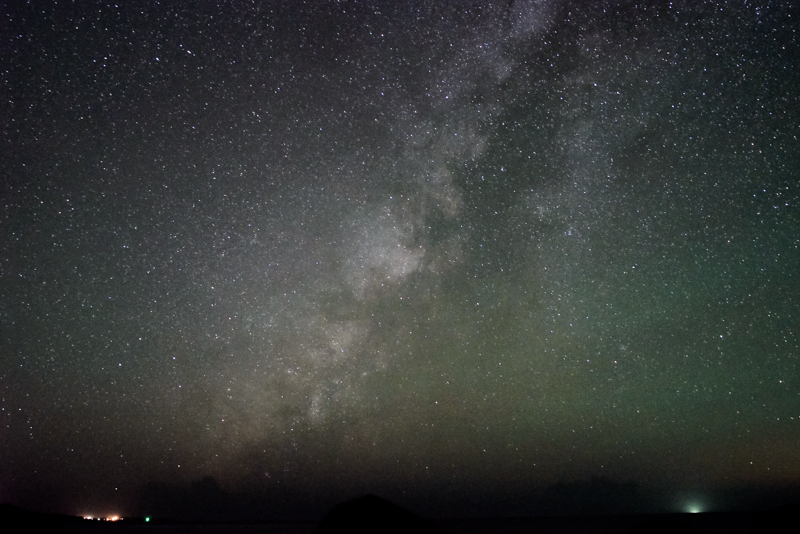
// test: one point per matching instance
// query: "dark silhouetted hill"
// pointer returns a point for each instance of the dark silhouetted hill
(373, 514)
(785, 519)
(15, 520)
(663, 526)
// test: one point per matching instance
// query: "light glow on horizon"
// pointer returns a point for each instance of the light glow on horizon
(107, 518)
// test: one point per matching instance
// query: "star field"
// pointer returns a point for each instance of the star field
(452, 253)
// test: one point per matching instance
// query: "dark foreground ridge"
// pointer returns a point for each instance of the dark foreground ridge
(15, 520)
(373, 514)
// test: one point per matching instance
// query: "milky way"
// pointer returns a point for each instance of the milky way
(468, 250)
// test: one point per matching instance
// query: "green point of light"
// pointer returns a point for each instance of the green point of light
(146, 519)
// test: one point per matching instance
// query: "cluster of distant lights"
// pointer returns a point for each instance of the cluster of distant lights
(692, 508)
(110, 518)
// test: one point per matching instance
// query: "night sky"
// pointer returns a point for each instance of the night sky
(469, 256)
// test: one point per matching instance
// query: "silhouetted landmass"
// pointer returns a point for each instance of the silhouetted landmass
(206, 501)
(205, 507)
(373, 514)
(783, 519)
(15, 520)
(663, 526)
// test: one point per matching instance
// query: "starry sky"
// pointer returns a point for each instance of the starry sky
(465, 255)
